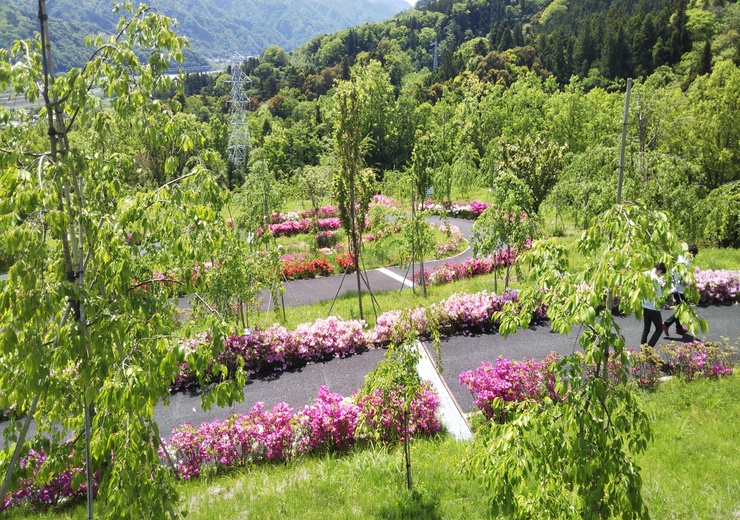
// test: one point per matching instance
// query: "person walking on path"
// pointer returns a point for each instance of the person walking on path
(651, 314)
(678, 291)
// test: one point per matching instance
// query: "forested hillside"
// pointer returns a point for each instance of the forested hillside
(215, 28)
(611, 39)
(533, 88)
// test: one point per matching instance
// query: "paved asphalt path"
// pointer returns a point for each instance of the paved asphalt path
(458, 353)
(305, 292)
(299, 387)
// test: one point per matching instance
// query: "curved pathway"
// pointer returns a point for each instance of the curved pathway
(299, 387)
(313, 290)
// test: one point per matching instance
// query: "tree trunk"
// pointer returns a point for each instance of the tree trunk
(407, 449)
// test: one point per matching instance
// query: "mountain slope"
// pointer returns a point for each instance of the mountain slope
(215, 28)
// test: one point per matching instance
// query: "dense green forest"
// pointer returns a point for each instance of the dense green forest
(529, 87)
(517, 87)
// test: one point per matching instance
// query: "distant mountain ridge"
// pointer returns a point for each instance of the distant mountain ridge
(215, 28)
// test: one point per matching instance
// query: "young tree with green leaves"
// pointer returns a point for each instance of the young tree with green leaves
(507, 223)
(353, 184)
(537, 161)
(88, 345)
(397, 374)
(573, 455)
(417, 230)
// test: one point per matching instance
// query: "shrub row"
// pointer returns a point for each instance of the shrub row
(530, 380)
(331, 423)
(467, 210)
(718, 286)
(277, 348)
(468, 268)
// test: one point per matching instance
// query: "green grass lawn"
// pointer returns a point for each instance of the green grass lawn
(692, 468)
(690, 471)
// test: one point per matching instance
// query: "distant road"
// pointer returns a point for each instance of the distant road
(314, 290)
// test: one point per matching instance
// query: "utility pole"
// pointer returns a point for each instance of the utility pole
(624, 140)
(436, 54)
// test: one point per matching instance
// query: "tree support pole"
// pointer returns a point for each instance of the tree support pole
(18, 445)
(603, 366)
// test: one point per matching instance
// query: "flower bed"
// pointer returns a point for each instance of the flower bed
(510, 381)
(59, 489)
(507, 381)
(718, 286)
(468, 268)
(460, 313)
(385, 202)
(300, 267)
(346, 262)
(467, 210)
(331, 423)
(689, 361)
(454, 237)
(276, 349)
(297, 227)
(324, 212)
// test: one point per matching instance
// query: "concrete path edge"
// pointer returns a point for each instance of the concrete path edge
(449, 412)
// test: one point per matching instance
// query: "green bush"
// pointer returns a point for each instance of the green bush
(722, 223)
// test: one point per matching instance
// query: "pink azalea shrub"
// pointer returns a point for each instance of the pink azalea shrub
(329, 423)
(327, 338)
(251, 437)
(384, 201)
(389, 330)
(717, 286)
(60, 488)
(297, 227)
(381, 413)
(645, 367)
(454, 237)
(698, 359)
(473, 312)
(510, 381)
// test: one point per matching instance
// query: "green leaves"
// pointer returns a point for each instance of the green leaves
(574, 459)
(85, 319)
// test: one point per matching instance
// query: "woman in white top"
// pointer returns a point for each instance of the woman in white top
(651, 314)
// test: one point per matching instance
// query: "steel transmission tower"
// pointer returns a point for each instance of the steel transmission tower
(239, 141)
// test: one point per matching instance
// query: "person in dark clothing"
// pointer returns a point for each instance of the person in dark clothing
(678, 290)
(651, 313)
